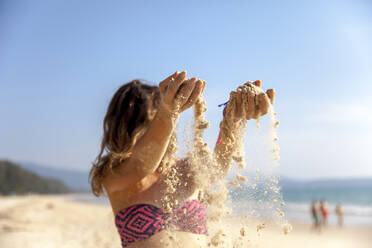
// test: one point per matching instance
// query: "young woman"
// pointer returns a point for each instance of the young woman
(138, 127)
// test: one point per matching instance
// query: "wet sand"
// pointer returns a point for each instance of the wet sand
(56, 221)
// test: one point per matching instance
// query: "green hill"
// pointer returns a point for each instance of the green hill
(16, 180)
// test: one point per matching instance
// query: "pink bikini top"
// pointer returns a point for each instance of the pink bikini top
(141, 221)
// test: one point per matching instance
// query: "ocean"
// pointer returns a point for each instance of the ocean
(356, 203)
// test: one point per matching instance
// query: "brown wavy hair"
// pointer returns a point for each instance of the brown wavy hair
(127, 118)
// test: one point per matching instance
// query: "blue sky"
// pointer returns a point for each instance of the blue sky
(61, 61)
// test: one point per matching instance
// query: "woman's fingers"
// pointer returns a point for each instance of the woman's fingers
(253, 105)
(264, 104)
(271, 94)
(251, 108)
(175, 84)
(199, 86)
(257, 110)
(163, 85)
(239, 104)
(185, 91)
(257, 83)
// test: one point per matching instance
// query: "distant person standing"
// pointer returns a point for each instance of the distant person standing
(340, 214)
(324, 211)
(315, 212)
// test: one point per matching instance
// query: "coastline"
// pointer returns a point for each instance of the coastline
(60, 221)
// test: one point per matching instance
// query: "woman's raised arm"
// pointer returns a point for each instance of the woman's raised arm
(235, 111)
(147, 153)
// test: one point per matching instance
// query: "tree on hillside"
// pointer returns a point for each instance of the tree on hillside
(16, 180)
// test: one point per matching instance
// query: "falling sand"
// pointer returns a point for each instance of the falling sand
(210, 167)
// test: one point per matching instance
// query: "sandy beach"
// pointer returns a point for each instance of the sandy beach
(57, 221)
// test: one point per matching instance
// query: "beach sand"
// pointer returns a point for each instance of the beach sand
(56, 221)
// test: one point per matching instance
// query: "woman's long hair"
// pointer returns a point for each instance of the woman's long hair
(127, 118)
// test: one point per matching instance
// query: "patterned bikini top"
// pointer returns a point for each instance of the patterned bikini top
(141, 221)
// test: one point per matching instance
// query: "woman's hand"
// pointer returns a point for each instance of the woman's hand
(179, 93)
(250, 101)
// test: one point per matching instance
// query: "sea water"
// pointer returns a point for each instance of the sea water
(356, 202)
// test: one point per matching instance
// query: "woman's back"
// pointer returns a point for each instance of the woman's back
(153, 188)
(141, 220)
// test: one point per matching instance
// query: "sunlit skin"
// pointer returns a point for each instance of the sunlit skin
(137, 181)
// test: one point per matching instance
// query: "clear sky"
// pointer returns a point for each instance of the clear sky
(61, 61)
